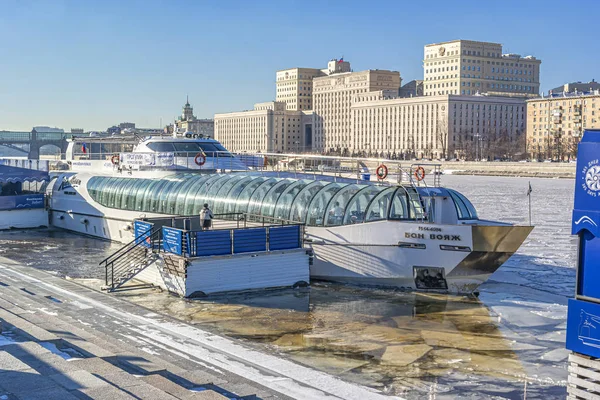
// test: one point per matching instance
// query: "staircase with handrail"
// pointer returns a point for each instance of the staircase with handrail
(131, 259)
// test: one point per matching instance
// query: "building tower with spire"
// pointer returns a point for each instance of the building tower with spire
(188, 111)
(188, 122)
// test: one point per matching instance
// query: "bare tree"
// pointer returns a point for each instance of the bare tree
(519, 146)
(441, 135)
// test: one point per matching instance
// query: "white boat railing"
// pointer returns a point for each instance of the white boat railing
(362, 169)
(380, 170)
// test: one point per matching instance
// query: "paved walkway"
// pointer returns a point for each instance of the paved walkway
(61, 340)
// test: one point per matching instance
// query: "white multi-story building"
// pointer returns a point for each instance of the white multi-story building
(434, 126)
(267, 128)
(555, 123)
(469, 67)
(333, 95)
(294, 87)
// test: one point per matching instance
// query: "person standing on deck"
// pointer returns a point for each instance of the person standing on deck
(337, 214)
(206, 217)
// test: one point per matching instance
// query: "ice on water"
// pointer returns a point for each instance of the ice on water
(405, 344)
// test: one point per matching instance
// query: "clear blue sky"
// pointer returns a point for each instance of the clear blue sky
(92, 64)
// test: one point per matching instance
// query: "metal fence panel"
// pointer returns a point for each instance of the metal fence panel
(284, 237)
(212, 243)
(249, 240)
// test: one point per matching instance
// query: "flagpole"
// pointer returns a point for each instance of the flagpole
(529, 196)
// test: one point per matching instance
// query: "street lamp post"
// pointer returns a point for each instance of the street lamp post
(477, 136)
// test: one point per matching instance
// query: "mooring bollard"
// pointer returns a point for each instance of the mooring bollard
(583, 321)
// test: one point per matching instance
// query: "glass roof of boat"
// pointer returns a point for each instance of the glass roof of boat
(314, 202)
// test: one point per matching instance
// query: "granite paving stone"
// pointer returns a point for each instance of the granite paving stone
(10, 363)
(21, 382)
(57, 393)
(146, 391)
(120, 379)
(78, 380)
(103, 393)
(96, 366)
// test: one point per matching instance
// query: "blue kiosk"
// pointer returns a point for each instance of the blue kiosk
(583, 321)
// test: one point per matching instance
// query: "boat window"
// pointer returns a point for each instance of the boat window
(256, 200)
(235, 193)
(194, 200)
(302, 200)
(464, 207)
(106, 191)
(356, 209)
(284, 203)
(210, 193)
(125, 193)
(92, 186)
(378, 209)
(193, 184)
(214, 147)
(114, 198)
(314, 202)
(146, 196)
(317, 208)
(161, 147)
(187, 147)
(270, 200)
(400, 208)
(336, 209)
(208, 148)
(161, 204)
(244, 197)
(219, 203)
(174, 193)
(132, 199)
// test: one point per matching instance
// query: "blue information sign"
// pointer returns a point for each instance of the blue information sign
(583, 321)
(172, 240)
(583, 327)
(21, 202)
(142, 230)
(586, 214)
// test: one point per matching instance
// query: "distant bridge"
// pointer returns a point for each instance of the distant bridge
(34, 140)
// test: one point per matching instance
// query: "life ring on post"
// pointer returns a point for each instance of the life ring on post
(114, 159)
(420, 173)
(200, 159)
(382, 172)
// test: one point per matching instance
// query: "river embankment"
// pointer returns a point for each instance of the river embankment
(518, 169)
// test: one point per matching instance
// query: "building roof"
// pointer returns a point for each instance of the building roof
(462, 40)
(566, 95)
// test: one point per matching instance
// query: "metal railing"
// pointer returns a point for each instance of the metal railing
(243, 240)
(130, 259)
(230, 233)
(357, 168)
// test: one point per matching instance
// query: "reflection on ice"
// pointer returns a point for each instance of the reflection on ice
(407, 344)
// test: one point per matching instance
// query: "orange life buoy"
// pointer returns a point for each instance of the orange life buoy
(114, 159)
(200, 159)
(382, 172)
(420, 173)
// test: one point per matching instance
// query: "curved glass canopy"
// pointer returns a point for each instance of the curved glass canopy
(314, 202)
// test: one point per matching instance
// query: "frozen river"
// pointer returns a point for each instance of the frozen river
(509, 343)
